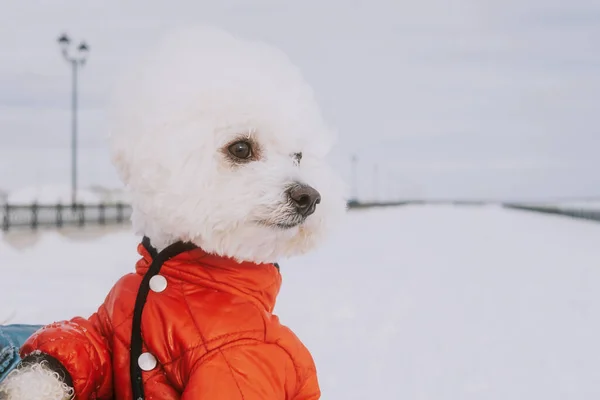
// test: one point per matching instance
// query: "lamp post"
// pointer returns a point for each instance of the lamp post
(76, 58)
(376, 183)
(354, 162)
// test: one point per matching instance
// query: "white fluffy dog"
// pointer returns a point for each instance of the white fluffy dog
(221, 143)
(210, 136)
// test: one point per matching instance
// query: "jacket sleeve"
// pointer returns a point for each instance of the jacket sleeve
(81, 348)
(250, 371)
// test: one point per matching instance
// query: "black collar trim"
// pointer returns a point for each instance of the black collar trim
(158, 259)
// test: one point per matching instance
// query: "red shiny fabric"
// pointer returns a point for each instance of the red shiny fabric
(212, 331)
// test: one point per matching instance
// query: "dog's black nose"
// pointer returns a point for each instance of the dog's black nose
(304, 198)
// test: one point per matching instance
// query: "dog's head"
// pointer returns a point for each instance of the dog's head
(221, 143)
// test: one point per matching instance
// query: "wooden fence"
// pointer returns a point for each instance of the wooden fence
(34, 216)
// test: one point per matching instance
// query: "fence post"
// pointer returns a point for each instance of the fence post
(6, 218)
(34, 215)
(119, 212)
(81, 208)
(101, 219)
(59, 215)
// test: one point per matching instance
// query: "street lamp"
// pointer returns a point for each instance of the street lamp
(76, 58)
(376, 183)
(354, 161)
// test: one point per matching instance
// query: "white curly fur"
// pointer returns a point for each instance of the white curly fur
(171, 120)
(34, 382)
(172, 116)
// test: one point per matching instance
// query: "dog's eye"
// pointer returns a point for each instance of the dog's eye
(241, 150)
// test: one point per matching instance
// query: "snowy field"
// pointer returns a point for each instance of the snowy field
(423, 302)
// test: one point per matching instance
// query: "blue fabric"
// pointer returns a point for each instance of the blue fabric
(12, 338)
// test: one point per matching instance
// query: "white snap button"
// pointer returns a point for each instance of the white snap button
(147, 361)
(158, 283)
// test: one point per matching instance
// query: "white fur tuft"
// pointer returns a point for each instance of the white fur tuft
(172, 116)
(34, 382)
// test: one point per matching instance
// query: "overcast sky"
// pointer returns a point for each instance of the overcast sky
(466, 98)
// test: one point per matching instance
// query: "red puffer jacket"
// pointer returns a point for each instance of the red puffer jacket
(208, 333)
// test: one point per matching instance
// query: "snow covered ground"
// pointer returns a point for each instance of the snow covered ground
(417, 302)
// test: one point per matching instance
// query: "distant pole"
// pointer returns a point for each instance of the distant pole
(395, 187)
(354, 161)
(375, 186)
(74, 136)
(76, 60)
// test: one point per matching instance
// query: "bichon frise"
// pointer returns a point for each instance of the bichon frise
(222, 146)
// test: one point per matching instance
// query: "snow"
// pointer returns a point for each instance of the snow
(416, 302)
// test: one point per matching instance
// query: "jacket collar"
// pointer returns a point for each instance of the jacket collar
(259, 283)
